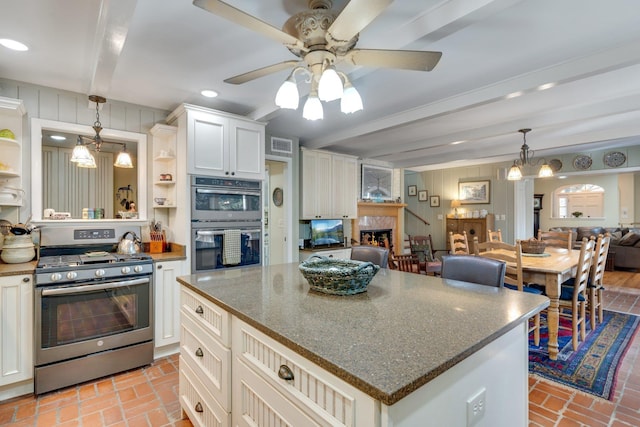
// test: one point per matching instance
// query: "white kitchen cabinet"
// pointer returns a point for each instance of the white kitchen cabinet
(220, 144)
(164, 172)
(16, 329)
(329, 185)
(330, 253)
(167, 306)
(11, 117)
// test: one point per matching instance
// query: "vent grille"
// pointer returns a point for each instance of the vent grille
(281, 145)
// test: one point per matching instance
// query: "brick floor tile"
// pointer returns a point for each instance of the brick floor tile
(157, 417)
(112, 415)
(554, 404)
(93, 419)
(47, 419)
(26, 410)
(69, 412)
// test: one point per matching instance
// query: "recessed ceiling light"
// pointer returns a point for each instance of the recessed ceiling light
(58, 137)
(562, 177)
(457, 142)
(546, 86)
(514, 95)
(209, 93)
(13, 45)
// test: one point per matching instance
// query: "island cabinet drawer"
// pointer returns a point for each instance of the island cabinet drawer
(209, 316)
(203, 410)
(322, 395)
(208, 359)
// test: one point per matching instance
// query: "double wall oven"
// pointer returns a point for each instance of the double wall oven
(226, 223)
(93, 307)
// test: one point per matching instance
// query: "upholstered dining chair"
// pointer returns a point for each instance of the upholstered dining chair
(458, 243)
(513, 278)
(557, 239)
(422, 247)
(374, 254)
(405, 262)
(494, 236)
(474, 269)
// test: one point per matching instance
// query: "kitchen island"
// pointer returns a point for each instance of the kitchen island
(410, 349)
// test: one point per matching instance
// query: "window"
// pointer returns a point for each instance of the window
(578, 200)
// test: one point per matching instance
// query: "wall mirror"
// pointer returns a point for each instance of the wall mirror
(59, 184)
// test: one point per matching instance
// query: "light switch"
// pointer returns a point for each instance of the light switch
(440, 217)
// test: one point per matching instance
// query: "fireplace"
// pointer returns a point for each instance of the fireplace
(377, 237)
(383, 217)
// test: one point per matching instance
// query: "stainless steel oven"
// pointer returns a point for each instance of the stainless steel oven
(222, 199)
(225, 245)
(93, 307)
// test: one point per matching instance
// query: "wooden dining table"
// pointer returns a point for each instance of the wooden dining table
(551, 269)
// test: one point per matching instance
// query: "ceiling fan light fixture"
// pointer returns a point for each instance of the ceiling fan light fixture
(124, 159)
(351, 100)
(313, 107)
(288, 96)
(330, 85)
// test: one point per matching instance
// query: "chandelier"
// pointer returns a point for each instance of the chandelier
(81, 155)
(327, 84)
(526, 159)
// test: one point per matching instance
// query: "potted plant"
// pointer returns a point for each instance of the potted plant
(576, 214)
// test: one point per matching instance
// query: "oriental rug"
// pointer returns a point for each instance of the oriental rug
(593, 367)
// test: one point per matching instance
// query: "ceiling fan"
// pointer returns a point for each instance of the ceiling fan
(321, 38)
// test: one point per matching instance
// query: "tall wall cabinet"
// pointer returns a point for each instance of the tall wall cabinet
(475, 227)
(11, 117)
(329, 187)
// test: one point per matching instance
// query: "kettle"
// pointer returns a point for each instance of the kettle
(129, 246)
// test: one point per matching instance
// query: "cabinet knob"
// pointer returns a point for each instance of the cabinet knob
(233, 173)
(159, 267)
(472, 231)
(199, 352)
(226, 172)
(285, 373)
(198, 407)
(199, 310)
(26, 279)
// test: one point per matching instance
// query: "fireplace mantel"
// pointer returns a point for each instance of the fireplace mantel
(395, 210)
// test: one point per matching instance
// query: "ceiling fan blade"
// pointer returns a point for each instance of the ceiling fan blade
(404, 59)
(260, 72)
(239, 17)
(356, 15)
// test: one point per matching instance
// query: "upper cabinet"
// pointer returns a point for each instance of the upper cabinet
(329, 186)
(220, 144)
(11, 119)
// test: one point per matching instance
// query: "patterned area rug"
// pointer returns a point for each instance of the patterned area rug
(593, 367)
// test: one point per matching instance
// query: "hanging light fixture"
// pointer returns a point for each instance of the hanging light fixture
(81, 154)
(526, 159)
(313, 107)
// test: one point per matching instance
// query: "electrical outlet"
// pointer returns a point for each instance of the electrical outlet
(476, 407)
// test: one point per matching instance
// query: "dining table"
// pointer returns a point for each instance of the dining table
(550, 269)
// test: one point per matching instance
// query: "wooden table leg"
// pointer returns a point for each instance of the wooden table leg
(552, 286)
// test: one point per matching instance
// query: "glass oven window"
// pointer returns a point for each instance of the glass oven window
(209, 246)
(224, 202)
(79, 317)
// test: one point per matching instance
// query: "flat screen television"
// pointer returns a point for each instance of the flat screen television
(327, 232)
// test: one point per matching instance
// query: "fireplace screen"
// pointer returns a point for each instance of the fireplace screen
(376, 237)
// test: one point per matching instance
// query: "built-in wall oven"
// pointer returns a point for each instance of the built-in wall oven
(226, 223)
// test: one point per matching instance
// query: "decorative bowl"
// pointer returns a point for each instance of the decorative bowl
(338, 276)
(533, 246)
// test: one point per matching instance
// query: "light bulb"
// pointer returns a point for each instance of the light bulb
(288, 96)
(515, 174)
(351, 100)
(545, 171)
(124, 159)
(330, 85)
(313, 108)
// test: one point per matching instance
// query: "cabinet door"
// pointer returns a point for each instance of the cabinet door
(316, 188)
(206, 136)
(246, 149)
(474, 228)
(345, 187)
(167, 302)
(16, 329)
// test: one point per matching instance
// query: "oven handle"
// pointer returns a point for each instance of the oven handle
(90, 288)
(221, 232)
(239, 192)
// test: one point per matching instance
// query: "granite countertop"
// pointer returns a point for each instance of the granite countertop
(403, 332)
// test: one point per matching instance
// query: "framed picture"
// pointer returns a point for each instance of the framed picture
(422, 195)
(537, 201)
(434, 201)
(474, 192)
(377, 183)
(413, 190)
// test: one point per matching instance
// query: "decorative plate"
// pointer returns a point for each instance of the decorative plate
(582, 162)
(277, 196)
(614, 159)
(555, 164)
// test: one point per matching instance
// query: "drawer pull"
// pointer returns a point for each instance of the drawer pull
(199, 309)
(198, 407)
(285, 373)
(199, 352)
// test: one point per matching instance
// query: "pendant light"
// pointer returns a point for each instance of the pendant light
(526, 159)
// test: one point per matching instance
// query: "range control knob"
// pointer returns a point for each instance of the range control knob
(137, 268)
(72, 275)
(55, 277)
(125, 270)
(100, 272)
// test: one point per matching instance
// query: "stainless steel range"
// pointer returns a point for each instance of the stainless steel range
(93, 307)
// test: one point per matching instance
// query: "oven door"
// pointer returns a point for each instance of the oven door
(214, 248)
(220, 204)
(80, 319)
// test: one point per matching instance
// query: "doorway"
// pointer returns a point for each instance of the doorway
(278, 219)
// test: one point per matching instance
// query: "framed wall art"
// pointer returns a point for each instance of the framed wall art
(434, 201)
(377, 183)
(474, 192)
(413, 190)
(422, 195)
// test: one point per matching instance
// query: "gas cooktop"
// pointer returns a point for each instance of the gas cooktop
(62, 261)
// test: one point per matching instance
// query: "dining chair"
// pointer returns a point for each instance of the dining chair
(458, 243)
(422, 247)
(494, 236)
(595, 286)
(406, 262)
(514, 276)
(374, 254)
(474, 269)
(557, 239)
